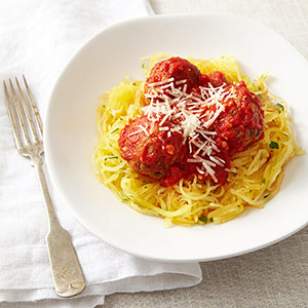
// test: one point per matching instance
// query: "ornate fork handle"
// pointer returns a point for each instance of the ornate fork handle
(28, 136)
(66, 271)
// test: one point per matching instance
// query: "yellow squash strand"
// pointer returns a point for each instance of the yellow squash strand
(255, 175)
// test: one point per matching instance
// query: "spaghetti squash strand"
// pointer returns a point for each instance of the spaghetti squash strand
(255, 174)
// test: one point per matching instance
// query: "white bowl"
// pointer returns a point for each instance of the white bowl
(115, 53)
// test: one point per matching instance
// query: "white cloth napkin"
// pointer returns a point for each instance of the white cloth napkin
(38, 37)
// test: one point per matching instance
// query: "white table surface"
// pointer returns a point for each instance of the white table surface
(273, 277)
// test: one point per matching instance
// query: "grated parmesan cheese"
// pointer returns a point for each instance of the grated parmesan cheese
(190, 115)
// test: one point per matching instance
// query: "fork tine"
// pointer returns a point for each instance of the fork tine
(25, 101)
(13, 118)
(33, 106)
(19, 108)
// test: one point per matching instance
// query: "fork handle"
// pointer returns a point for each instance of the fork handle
(67, 275)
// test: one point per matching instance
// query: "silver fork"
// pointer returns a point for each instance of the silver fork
(27, 126)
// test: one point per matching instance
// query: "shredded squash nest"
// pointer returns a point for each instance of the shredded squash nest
(255, 176)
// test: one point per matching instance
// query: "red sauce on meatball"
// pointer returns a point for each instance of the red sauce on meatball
(177, 68)
(149, 151)
(220, 120)
(241, 123)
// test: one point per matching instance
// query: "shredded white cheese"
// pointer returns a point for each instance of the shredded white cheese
(191, 115)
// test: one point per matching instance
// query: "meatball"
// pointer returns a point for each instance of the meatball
(149, 151)
(216, 79)
(176, 67)
(241, 123)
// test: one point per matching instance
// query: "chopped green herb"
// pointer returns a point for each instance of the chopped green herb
(280, 106)
(115, 130)
(274, 145)
(251, 132)
(111, 157)
(211, 219)
(203, 219)
(157, 174)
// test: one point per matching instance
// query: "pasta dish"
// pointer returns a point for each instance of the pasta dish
(196, 142)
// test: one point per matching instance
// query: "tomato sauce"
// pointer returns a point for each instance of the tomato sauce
(161, 152)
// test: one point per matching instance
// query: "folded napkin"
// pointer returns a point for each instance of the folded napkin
(38, 37)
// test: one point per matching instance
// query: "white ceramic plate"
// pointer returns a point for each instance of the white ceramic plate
(115, 53)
